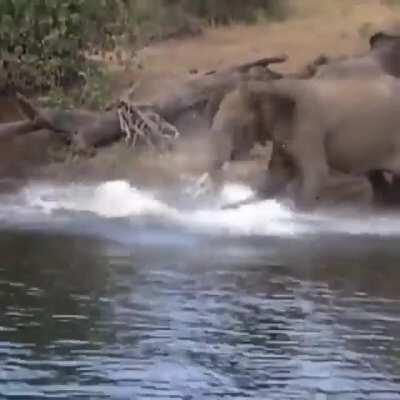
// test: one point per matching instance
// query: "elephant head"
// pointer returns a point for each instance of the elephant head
(382, 58)
(234, 129)
(244, 118)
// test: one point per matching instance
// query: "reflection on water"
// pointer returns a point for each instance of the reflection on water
(221, 319)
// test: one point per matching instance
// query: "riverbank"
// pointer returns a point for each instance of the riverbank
(336, 30)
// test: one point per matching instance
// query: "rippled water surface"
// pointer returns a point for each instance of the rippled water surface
(147, 311)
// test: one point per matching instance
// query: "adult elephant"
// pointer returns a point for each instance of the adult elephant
(246, 117)
(382, 58)
(240, 120)
(330, 133)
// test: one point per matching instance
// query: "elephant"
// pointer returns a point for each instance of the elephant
(284, 179)
(334, 132)
(246, 118)
(235, 128)
(238, 116)
(242, 120)
(257, 73)
(383, 58)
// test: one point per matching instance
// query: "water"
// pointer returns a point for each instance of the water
(111, 292)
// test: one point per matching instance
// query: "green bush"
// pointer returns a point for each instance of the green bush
(392, 3)
(227, 11)
(44, 43)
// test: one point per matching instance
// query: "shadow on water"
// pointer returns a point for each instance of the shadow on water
(259, 318)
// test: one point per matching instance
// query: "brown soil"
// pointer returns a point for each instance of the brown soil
(334, 27)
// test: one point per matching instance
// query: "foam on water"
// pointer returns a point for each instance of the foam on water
(119, 199)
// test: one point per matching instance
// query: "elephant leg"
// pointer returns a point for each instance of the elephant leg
(381, 186)
(386, 187)
(308, 153)
(222, 150)
(346, 189)
(273, 181)
(221, 154)
(280, 172)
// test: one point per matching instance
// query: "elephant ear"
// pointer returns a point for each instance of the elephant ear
(276, 101)
(284, 92)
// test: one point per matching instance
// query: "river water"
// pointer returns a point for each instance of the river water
(109, 291)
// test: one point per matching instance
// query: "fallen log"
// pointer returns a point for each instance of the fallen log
(63, 121)
(33, 122)
(263, 62)
(199, 91)
(88, 129)
(83, 129)
(104, 130)
(10, 129)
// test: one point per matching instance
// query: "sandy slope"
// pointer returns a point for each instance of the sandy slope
(333, 27)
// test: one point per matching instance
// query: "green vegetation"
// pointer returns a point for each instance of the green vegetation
(44, 43)
(227, 11)
(392, 3)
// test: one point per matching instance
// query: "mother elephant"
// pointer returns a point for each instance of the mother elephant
(240, 120)
(382, 58)
(330, 132)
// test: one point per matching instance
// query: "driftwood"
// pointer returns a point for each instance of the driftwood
(69, 122)
(10, 129)
(126, 95)
(198, 91)
(35, 120)
(195, 93)
(263, 62)
(87, 129)
(63, 121)
(141, 123)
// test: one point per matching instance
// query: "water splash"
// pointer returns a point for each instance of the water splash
(119, 199)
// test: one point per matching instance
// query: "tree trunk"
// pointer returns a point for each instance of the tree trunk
(87, 129)
(103, 130)
(10, 129)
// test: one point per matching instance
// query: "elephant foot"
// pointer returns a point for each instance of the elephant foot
(386, 188)
(343, 190)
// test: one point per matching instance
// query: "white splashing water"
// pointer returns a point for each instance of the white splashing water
(119, 199)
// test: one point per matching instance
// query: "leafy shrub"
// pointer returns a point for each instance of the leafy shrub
(227, 11)
(392, 3)
(42, 41)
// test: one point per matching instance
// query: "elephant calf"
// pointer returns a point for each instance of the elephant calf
(243, 119)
